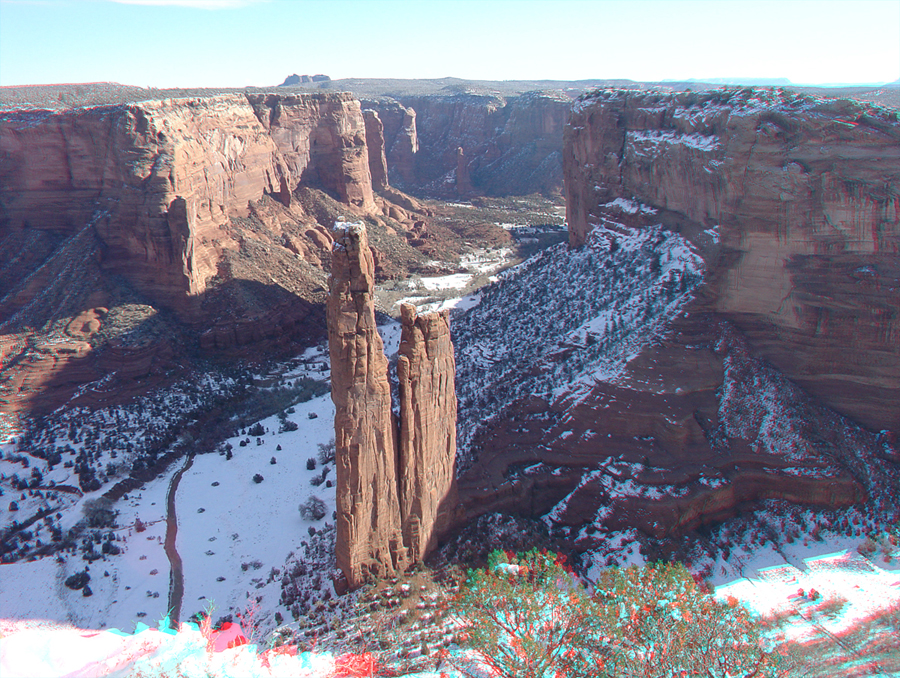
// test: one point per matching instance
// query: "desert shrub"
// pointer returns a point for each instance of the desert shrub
(257, 478)
(529, 619)
(528, 616)
(311, 464)
(326, 452)
(78, 580)
(313, 509)
(665, 624)
(256, 430)
(99, 512)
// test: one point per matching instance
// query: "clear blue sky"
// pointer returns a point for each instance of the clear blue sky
(217, 43)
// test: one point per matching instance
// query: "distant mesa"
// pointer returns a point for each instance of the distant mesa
(295, 79)
(741, 82)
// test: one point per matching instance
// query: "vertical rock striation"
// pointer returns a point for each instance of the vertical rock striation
(426, 372)
(161, 181)
(369, 539)
(802, 198)
(375, 142)
(393, 500)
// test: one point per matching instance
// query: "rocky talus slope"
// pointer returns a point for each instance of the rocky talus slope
(176, 225)
(723, 329)
(396, 486)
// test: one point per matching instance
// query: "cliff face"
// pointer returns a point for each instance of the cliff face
(369, 537)
(722, 331)
(159, 181)
(217, 209)
(375, 141)
(510, 146)
(805, 199)
(396, 490)
(322, 138)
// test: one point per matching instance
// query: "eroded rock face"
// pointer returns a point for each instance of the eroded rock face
(426, 372)
(159, 181)
(396, 486)
(322, 138)
(778, 375)
(375, 142)
(512, 145)
(369, 536)
(803, 197)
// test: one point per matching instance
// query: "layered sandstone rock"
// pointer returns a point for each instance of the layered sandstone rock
(401, 139)
(512, 145)
(463, 182)
(396, 490)
(804, 199)
(375, 142)
(426, 373)
(779, 377)
(159, 181)
(369, 536)
(322, 138)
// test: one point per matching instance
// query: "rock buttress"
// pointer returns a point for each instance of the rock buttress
(369, 538)
(375, 143)
(426, 371)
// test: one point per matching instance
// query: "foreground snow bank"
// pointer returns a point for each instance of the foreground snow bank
(30, 649)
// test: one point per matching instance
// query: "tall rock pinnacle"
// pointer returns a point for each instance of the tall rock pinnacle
(426, 370)
(369, 537)
(393, 499)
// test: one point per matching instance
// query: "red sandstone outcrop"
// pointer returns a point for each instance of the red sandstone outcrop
(212, 208)
(426, 372)
(396, 489)
(375, 142)
(805, 197)
(463, 182)
(513, 145)
(369, 536)
(159, 181)
(322, 138)
(401, 140)
(765, 386)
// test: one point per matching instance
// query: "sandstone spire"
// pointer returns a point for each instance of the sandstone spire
(375, 144)
(393, 500)
(426, 371)
(369, 539)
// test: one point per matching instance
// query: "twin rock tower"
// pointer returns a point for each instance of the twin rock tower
(396, 483)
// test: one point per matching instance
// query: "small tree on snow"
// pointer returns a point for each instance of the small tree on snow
(313, 509)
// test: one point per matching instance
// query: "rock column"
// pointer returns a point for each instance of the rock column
(369, 538)
(393, 498)
(426, 370)
(375, 143)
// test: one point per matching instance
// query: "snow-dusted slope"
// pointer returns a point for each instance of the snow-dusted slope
(563, 320)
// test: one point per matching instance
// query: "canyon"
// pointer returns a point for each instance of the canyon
(175, 226)
(720, 331)
(777, 376)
